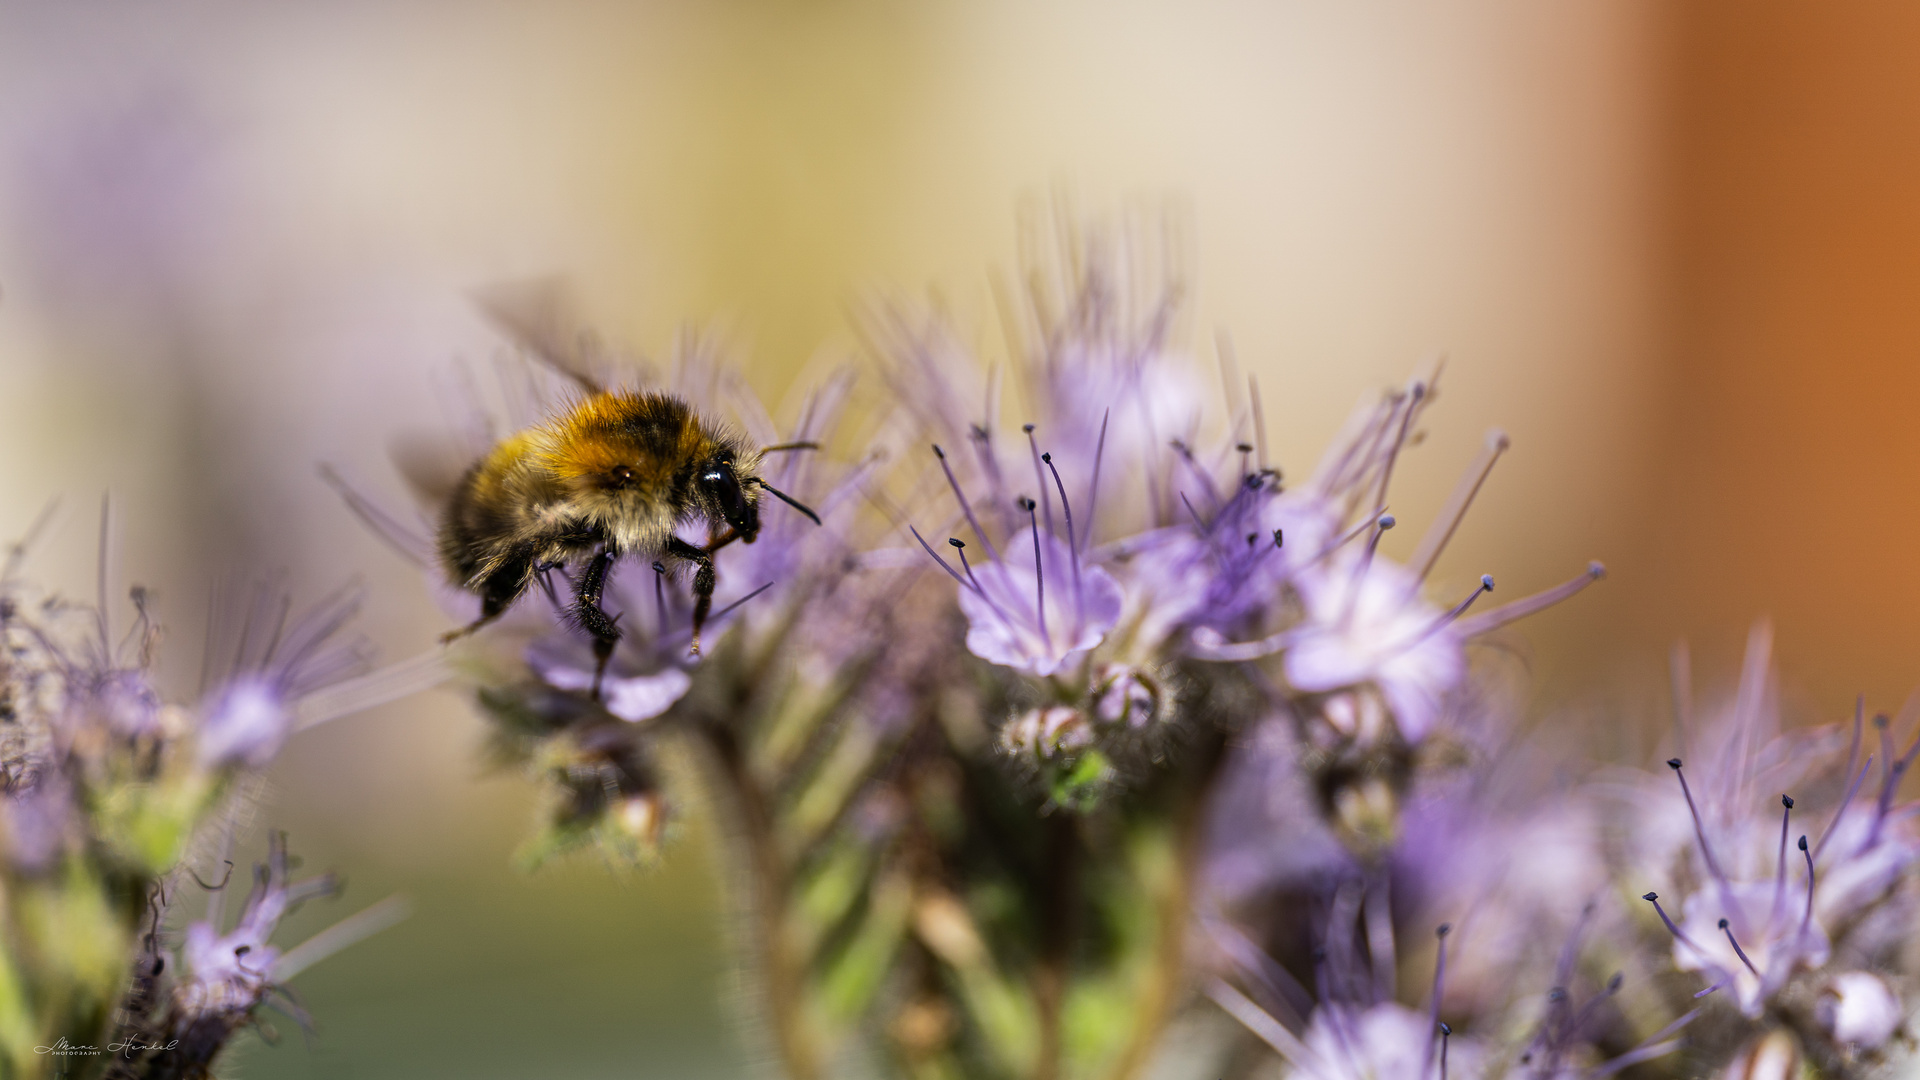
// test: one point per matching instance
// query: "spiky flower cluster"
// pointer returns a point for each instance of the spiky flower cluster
(1072, 666)
(108, 787)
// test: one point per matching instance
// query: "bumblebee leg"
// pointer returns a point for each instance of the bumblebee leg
(703, 580)
(592, 618)
(497, 592)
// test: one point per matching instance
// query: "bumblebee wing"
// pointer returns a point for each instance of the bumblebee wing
(538, 316)
(431, 465)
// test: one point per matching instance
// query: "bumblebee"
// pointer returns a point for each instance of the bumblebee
(614, 475)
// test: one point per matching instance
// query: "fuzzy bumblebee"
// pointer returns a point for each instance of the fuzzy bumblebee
(615, 475)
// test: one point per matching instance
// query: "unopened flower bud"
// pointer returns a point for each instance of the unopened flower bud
(1773, 1057)
(1123, 694)
(1860, 1010)
(1053, 732)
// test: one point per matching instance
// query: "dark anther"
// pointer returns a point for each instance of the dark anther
(937, 452)
(1803, 843)
(1047, 457)
(1279, 538)
(1251, 537)
(1253, 481)
(659, 567)
(1028, 428)
(1787, 801)
(1723, 924)
(1245, 448)
(956, 541)
(1673, 763)
(1444, 929)
(1880, 720)
(1027, 504)
(1613, 984)
(1558, 993)
(242, 950)
(1651, 896)
(1445, 1029)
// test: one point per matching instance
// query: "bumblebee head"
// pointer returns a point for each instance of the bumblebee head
(726, 497)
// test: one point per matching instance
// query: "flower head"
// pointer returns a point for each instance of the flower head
(1766, 902)
(248, 716)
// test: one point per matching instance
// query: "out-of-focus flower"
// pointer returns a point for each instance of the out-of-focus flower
(1125, 695)
(248, 716)
(1772, 1056)
(224, 978)
(1053, 732)
(626, 690)
(1860, 1010)
(1759, 908)
(1368, 628)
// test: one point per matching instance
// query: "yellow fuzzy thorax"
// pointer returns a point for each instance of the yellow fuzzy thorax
(645, 432)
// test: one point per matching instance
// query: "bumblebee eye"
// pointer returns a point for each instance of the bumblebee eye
(723, 487)
(619, 476)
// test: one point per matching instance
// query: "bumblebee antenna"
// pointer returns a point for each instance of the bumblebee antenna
(788, 499)
(777, 447)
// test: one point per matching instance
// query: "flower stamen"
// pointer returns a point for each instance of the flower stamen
(1039, 575)
(1780, 876)
(1807, 919)
(1046, 501)
(1700, 832)
(1679, 934)
(1093, 486)
(1738, 951)
(1073, 542)
(1443, 527)
(1439, 984)
(1493, 620)
(1847, 800)
(965, 506)
(965, 582)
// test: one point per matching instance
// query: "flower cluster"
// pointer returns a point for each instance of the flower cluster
(1070, 665)
(105, 785)
(1117, 558)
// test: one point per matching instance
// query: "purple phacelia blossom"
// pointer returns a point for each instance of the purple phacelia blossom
(250, 713)
(1013, 618)
(1771, 898)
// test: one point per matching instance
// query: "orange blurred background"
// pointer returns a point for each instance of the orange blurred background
(1666, 247)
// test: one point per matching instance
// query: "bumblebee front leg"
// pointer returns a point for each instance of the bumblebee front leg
(703, 577)
(591, 617)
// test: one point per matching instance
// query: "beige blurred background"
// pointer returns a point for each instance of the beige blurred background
(1668, 249)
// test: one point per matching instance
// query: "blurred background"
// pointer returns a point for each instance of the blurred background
(1672, 250)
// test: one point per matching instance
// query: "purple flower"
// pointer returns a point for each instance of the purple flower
(628, 689)
(1860, 1010)
(1013, 617)
(1761, 907)
(244, 723)
(1012, 621)
(1367, 628)
(248, 716)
